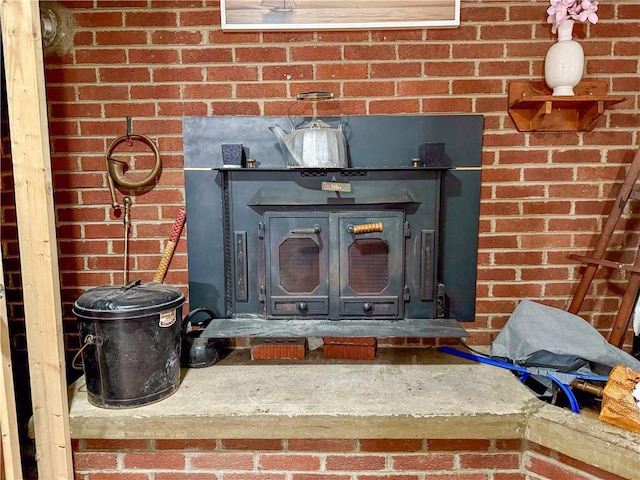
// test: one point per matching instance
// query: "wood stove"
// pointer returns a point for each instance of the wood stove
(386, 247)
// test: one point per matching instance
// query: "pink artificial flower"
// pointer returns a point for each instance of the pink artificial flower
(560, 11)
(588, 11)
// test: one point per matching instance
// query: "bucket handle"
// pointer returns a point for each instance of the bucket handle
(187, 319)
(88, 340)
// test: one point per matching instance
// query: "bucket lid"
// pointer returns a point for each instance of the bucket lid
(127, 301)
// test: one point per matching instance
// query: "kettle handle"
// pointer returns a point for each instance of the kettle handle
(187, 319)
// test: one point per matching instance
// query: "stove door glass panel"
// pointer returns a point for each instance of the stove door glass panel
(297, 264)
(368, 265)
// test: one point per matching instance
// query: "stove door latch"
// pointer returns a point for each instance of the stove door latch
(441, 302)
(405, 293)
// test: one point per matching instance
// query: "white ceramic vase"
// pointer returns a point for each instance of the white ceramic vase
(564, 62)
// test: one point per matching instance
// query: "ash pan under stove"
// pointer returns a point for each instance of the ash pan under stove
(386, 247)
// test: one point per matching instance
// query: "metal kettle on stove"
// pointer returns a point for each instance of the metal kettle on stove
(315, 144)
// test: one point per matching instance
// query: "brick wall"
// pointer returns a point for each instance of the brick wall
(336, 459)
(543, 195)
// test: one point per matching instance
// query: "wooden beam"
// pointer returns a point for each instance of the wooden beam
(24, 66)
(11, 466)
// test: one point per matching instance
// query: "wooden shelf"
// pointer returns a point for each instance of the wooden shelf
(534, 109)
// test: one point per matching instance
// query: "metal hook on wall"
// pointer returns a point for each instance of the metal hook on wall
(116, 168)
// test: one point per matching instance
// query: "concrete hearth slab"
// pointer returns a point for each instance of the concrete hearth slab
(402, 394)
(398, 396)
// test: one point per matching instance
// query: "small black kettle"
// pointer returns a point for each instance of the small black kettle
(198, 351)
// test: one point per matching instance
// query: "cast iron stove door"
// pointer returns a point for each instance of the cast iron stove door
(334, 265)
(297, 257)
(371, 276)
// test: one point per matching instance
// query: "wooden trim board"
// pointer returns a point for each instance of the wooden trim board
(31, 159)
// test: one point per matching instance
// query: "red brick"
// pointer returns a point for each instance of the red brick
(351, 463)
(319, 476)
(368, 89)
(101, 19)
(103, 92)
(205, 91)
(446, 105)
(117, 476)
(153, 56)
(463, 445)
(101, 56)
(395, 70)
(391, 445)
(251, 444)
(95, 461)
(125, 75)
(151, 18)
(70, 75)
(341, 37)
(495, 461)
(456, 476)
(254, 476)
(221, 461)
(199, 17)
(206, 55)
(471, 50)
(550, 469)
(427, 461)
(449, 69)
(369, 52)
(423, 51)
(157, 91)
(261, 90)
(321, 445)
(285, 72)
(422, 87)
(279, 348)
(236, 108)
(476, 86)
(104, 444)
(379, 107)
(121, 37)
(513, 32)
(77, 144)
(232, 73)
(260, 54)
(193, 444)
(509, 476)
(179, 37)
(184, 476)
(75, 110)
(349, 352)
(349, 341)
(155, 460)
(128, 109)
(288, 462)
(314, 53)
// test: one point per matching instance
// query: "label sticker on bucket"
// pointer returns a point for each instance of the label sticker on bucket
(167, 318)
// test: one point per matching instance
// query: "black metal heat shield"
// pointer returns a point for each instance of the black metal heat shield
(433, 298)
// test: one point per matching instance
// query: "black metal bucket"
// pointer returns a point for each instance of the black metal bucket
(131, 340)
